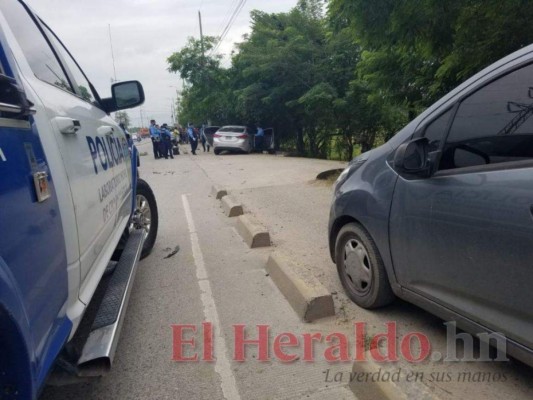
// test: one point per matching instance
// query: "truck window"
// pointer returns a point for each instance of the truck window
(83, 86)
(36, 49)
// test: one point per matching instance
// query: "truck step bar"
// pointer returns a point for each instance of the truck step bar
(99, 350)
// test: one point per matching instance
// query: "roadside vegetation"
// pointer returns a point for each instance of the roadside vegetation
(337, 82)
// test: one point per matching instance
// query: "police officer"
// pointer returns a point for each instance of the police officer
(167, 141)
(155, 135)
(192, 138)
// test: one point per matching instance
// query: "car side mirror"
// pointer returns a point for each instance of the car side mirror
(124, 95)
(413, 158)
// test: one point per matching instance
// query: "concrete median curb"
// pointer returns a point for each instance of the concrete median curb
(231, 207)
(387, 381)
(309, 298)
(254, 234)
(218, 193)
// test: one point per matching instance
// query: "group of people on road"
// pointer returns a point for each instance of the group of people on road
(195, 135)
(163, 140)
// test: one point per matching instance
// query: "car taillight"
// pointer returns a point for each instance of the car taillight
(245, 136)
(217, 135)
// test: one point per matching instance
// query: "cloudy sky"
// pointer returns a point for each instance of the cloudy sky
(144, 33)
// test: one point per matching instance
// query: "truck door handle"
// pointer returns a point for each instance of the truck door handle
(106, 130)
(67, 126)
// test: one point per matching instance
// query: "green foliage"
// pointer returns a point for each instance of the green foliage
(341, 82)
(122, 117)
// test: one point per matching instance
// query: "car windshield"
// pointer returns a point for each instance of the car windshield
(234, 129)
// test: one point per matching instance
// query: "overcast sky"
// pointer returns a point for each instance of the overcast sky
(144, 33)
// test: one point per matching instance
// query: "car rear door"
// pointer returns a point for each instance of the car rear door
(464, 237)
(93, 148)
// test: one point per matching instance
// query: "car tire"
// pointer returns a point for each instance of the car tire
(216, 151)
(360, 268)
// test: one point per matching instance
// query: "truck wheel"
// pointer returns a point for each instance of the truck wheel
(361, 268)
(148, 216)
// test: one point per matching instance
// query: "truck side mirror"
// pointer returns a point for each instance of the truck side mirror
(412, 158)
(124, 95)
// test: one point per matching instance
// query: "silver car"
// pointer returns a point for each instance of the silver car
(232, 138)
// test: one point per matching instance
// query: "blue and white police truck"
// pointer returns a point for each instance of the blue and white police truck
(73, 213)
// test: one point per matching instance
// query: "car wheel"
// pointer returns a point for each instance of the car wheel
(361, 268)
(216, 151)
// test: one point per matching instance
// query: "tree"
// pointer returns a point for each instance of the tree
(122, 117)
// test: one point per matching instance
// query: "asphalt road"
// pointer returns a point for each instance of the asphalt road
(216, 278)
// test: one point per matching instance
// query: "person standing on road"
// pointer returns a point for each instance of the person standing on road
(203, 138)
(192, 138)
(167, 141)
(155, 135)
(259, 138)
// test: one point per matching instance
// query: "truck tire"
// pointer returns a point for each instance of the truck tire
(144, 198)
(147, 205)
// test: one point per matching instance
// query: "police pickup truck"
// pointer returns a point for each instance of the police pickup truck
(74, 216)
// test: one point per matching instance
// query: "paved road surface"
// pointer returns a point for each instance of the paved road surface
(216, 278)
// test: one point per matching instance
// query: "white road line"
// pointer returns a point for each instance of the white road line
(222, 364)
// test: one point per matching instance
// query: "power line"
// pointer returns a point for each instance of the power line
(225, 20)
(230, 23)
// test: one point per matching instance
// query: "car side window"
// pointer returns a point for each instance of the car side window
(494, 124)
(36, 49)
(435, 132)
(83, 86)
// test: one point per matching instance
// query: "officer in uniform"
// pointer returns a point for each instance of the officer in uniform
(155, 135)
(167, 141)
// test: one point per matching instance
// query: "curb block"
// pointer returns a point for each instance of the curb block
(231, 207)
(386, 389)
(217, 192)
(254, 234)
(310, 299)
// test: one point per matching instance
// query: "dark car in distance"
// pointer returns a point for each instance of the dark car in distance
(442, 214)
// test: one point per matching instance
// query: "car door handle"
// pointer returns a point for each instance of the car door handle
(106, 130)
(67, 126)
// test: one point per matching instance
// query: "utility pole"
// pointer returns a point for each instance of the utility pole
(142, 121)
(201, 37)
(112, 54)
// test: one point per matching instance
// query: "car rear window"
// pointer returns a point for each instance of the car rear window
(236, 129)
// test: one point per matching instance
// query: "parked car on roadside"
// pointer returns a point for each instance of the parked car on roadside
(233, 139)
(442, 214)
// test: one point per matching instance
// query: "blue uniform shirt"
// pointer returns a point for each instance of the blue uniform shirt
(154, 132)
(260, 132)
(166, 133)
(190, 132)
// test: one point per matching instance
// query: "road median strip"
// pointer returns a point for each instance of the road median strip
(217, 192)
(254, 234)
(387, 381)
(231, 207)
(308, 297)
